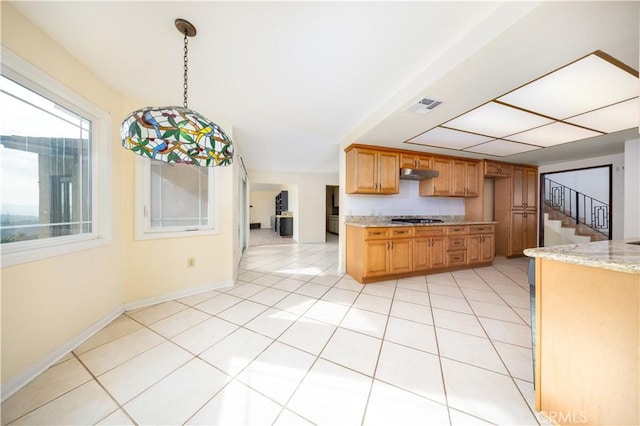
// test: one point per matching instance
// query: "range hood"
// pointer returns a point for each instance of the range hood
(416, 174)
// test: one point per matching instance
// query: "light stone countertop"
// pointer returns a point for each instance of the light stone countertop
(393, 224)
(615, 255)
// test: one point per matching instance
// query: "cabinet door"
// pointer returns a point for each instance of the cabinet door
(474, 249)
(441, 185)
(424, 163)
(525, 188)
(401, 256)
(458, 183)
(488, 248)
(388, 172)
(530, 189)
(516, 237)
(421, 248)
(472, 178)
(518, 188)
(492, 169)
(407, 160)
(530, 230)
(438, 253)
(362, 169)
(376, 258)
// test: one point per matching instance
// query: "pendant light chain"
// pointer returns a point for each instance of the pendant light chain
(186, 69)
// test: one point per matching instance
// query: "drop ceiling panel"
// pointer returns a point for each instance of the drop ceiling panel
(493, 119)
(622, 116)
(501, 148)
(582, 86)
(553, 134)
(448, 138)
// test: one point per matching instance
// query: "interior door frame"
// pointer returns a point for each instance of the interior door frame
(542, 192)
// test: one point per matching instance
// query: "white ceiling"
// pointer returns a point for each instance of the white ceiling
(298, 79)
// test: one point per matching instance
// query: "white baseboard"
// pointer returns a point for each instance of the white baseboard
(22, 379)
(18, 382)
(177, 295)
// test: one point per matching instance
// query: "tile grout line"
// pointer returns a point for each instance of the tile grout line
(94, 378)
(491, 341)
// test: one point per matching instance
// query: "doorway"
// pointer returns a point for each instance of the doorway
(332, 204)
(576, 206)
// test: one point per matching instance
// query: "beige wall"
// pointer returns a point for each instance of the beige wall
(263, 203)
(47, 303)
(306, 200)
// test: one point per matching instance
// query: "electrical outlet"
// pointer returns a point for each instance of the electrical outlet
(191, 262)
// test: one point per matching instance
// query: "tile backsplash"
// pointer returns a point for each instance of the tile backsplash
(407, 202)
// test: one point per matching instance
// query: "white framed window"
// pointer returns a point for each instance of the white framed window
(54, 166)
(175, 200)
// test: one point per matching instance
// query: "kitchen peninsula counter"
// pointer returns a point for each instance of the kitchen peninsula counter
(618, 255)
(587, 332)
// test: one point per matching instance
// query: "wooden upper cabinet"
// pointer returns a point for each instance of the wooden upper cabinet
(525, 188)
(441, 185)
(414, 161)
(466, 177)
(494, 169)
(369, 171)
(388, 173)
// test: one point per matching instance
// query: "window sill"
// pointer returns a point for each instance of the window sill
(36, 254)
(175, 234)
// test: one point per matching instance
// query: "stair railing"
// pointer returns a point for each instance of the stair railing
(585, 210)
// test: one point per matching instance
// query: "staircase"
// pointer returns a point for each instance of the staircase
(573, 217)
(566, 230)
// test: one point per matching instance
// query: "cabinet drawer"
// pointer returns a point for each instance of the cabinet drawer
(401, 232)
(455, 258)
(377, 233)
(429, 231)
(457, 230)
(481, 229)
(457, 243)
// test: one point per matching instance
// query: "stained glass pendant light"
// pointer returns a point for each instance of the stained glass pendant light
(176, 134)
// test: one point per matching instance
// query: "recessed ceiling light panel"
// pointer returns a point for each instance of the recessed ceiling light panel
(553, 134)
(501, 148)
(448, 138)
(622, 116)
(494, 119)
(585, 85)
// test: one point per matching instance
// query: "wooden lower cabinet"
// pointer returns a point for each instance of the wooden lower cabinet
(480, 249)
(480, 244)
(379, 253)
(429, 248)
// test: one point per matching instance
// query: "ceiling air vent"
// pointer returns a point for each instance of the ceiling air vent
(423, 106)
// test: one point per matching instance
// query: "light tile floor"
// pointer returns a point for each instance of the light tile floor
(294, 342)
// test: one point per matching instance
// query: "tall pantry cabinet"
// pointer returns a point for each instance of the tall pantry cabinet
(516, 211)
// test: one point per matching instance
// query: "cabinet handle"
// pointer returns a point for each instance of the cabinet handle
(391, 245)
(401, 232)
(434, 188)
(376, 233)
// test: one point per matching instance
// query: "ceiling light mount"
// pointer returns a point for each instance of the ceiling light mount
(176, 134)
(185, 27)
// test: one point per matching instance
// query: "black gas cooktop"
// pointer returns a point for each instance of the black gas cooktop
(416, 220)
